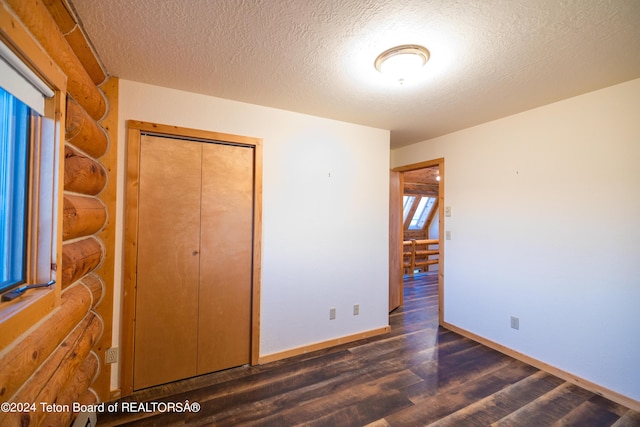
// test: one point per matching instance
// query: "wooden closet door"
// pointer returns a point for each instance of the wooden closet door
(166, 317)
(224, 338)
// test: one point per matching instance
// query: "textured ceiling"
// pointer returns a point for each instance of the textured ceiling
(489, 58)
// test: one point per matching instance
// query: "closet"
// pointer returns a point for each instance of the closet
(195, 258)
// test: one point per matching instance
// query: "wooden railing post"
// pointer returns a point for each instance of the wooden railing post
(413, 256)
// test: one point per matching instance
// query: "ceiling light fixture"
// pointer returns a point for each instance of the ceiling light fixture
(402, 62)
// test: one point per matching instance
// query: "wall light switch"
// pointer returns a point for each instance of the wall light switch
(447, 235)
(447, 211)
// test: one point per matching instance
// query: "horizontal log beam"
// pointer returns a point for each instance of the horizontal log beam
(417, 189)
(61, 15)
(83, 174)
(89, 397)
(41, 24)
(82, 131)
(59, 368)
(82, 216)
(73, 390)
(96, 286)
(81, 47)
(68, 25)
(64, 362)
(20, 361)
(80, 258)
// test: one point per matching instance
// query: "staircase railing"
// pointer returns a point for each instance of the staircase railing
(417, 255)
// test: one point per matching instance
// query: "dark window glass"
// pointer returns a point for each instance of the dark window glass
(14, 185)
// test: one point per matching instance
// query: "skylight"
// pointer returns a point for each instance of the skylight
(422, 213)
(407, 204)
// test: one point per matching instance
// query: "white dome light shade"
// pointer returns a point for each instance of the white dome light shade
(402, 62)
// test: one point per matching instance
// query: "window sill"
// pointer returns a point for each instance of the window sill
(19, 315)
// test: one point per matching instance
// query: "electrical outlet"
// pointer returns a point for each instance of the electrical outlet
(515, 323)
(111, 355)
(332, 313)
(356, 309)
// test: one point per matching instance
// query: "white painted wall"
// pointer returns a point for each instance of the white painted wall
(325, 212)
(546, 226)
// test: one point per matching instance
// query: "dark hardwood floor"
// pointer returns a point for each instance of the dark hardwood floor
(417, 375)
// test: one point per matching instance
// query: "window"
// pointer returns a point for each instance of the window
(14, 185)
(421, 214)
(406, 207)
(30, 177)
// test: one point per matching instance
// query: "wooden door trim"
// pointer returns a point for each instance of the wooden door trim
(396, 296)
(439, 162)
(135, 129)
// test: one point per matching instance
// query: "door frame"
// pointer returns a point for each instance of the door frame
(135, 129)
(439, 162)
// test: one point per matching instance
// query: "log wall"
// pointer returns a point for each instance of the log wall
(61, 360)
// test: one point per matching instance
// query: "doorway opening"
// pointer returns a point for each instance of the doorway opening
(420, 221)
(416, 227)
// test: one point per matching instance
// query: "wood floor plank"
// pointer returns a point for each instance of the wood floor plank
(629, 419)
(447, 400)
(587, 415)
(318, 400)
(547, 408)
(275, 397)
(262, 384)
(426, 338)
(418, 374)
(372, 400)
(494, 407)
(608, 405)
(379, 423)
(231, 407)
(452, 369)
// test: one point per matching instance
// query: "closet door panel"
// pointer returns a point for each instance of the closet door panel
(166, 321)
(226, 262)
